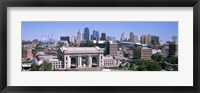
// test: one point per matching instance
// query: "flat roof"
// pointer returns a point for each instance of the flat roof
(67, 50)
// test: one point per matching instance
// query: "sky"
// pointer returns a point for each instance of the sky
(35, 30)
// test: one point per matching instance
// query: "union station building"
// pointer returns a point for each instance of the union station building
(83, 57)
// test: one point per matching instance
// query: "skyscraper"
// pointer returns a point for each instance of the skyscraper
(143, 39)
(123, 38)
(91, 36)
(73, 39)
(150, 40)
(146, 39)
(78, 37)
(82, 38)
(155, 40)
(95, 35)
(103, 36)
(86, 34)
(136, 40)
(132, 37)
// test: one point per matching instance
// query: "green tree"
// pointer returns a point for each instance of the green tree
(147, 65)
(136, 52)
(39, 47)
(120, 66)
(152, 66)
(46, 66)
(34, 67)
(172, 60)
(141, 68)
(132, 67)
(157, 58)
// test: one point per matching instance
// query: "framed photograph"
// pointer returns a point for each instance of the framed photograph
(107, 46)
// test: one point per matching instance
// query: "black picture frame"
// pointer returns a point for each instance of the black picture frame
(100, 3)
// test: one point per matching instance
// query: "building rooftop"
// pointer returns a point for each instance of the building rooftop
(67, 50)
(47, 57)
(54, 60)
(108, 57)
(125, 42)
(146, 48)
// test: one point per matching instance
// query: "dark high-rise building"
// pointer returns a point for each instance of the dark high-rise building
(103, 36)
(131, 37)
(86, 34)
(91, 36)
(95, 35)
(65, 38)
(155, 40)
(172, 48)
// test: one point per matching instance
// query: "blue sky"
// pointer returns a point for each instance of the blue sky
(35, 30)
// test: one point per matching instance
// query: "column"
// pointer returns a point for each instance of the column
(89, 61)
(79, 61)
(99, 60)
(68, 62)
(64, 61)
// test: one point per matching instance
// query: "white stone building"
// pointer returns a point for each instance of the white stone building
(110, 61)
(84, 57)
(56, 64)
(80, 57)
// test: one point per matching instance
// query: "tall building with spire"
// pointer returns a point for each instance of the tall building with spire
(78, 40)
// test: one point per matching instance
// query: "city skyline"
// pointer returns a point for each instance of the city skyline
(37, 30)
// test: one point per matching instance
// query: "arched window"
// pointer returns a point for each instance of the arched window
(73, 61)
